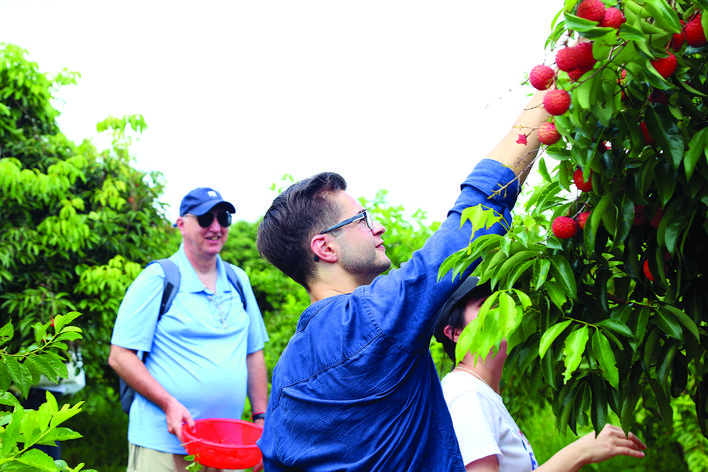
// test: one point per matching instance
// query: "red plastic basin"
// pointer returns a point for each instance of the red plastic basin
(223, 443)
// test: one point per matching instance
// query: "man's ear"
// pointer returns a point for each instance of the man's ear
(180, 224)
(322, 249)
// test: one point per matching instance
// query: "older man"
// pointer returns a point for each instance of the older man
(203, 355)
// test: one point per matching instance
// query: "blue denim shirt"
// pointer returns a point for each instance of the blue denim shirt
(356, 388)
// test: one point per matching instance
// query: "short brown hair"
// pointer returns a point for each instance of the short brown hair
(294, 217)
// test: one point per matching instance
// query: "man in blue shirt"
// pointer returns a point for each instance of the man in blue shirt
(356, 388)
(204, 354)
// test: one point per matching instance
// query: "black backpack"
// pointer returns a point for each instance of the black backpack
(170, 289)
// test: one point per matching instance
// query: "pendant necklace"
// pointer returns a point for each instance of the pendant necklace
(476, 375)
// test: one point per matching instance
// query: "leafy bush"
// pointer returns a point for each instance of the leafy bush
(612, 319)
(21, 429)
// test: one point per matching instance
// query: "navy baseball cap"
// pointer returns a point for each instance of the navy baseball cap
(201, 200)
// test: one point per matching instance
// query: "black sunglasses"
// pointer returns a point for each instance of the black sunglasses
(205, 220)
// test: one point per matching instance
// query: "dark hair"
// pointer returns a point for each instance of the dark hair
(295, 216)
(455, 317)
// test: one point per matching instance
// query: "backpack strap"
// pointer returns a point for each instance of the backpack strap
(170, 286)
(233, 278)
(172, 279)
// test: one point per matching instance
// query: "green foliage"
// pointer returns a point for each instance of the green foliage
(593, 327)
(105, 426)
(76, 223)
(22, 429)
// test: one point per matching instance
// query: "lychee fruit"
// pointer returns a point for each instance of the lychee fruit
(575, 57)
(582, 219)
(647, 272)
(541, 77)
(695, 36)
(567, 59)
(564, 227)
(593, 10)
(640, 215)
(659, 97)
(581, 184)
(548, 134)
(586, 60)
(556, 102)
(647, 137)
(665, 66)
(576, 74)
(656, 219)
(612, 18)
(677, 39)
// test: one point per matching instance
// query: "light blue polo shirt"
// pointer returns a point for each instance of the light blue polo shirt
(197, 351)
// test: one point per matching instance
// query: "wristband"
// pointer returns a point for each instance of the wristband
(258, 416)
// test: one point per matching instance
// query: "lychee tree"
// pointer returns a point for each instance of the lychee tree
(611, 316)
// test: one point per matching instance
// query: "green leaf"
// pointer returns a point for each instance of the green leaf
(524, 298)
(564, 275)
(616, 326)
(550, 335)
(510, 264)
(480, 217)
(627, 416)
(663, 402)
(6, 333)
(541, 267)
(598, 412)
(684, 319)
(517, 273)
(574, 348)
(666, 361)
(556, 294)
(606, 357)
(677, 214)
(664, 16)
(662, 126)
(650, 348)
(665, 320)
(666, 182)
(509, 315)
(593, 222)
(625, 221)
(696, 150)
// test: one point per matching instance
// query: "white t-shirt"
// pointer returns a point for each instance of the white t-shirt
(484, 426)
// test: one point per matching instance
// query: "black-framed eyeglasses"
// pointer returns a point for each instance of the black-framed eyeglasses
(205, 220)
(364, 215)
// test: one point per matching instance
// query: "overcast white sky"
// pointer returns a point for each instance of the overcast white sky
(403, 95)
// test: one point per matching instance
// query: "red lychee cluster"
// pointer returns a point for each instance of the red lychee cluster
(576, 60)
(594, 10)
(695, 36)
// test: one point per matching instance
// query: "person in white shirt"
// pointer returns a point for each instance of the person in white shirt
(488, 436)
